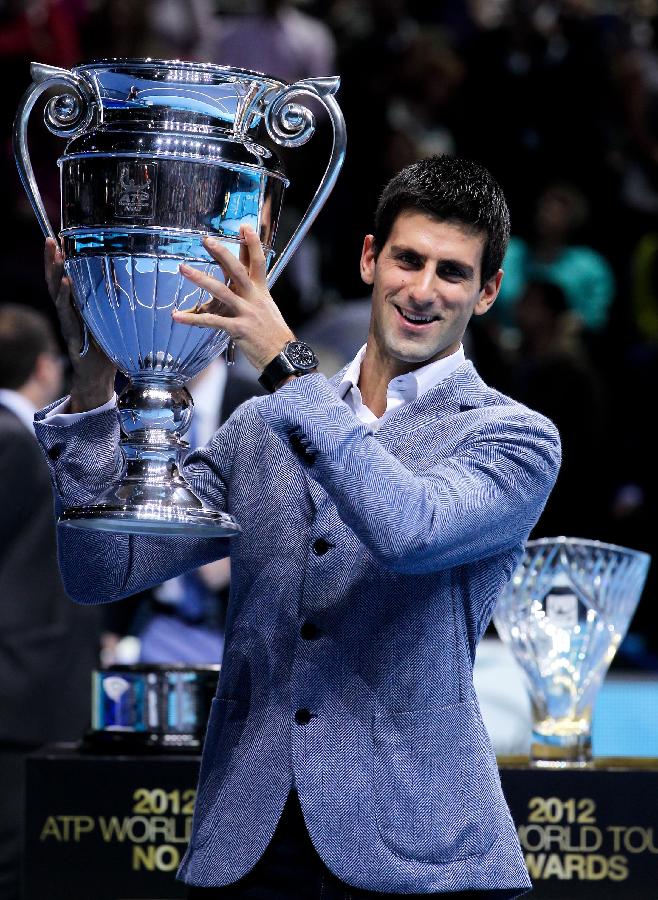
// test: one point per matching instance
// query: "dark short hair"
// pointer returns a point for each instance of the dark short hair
(24, 335)
(449, 189)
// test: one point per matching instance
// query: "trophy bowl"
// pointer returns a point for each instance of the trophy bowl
(564, 614)
(159, 155)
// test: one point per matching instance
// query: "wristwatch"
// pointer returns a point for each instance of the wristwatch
(296, 358)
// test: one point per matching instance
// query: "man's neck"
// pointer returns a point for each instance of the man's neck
(377, 371)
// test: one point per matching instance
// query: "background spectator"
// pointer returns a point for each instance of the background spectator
(553, 374)
(48, 645)
(584, 276)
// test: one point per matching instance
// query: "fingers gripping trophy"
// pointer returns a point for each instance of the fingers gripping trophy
(170, 182)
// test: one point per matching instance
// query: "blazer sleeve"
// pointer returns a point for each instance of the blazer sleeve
(482, 500)
(85, 461)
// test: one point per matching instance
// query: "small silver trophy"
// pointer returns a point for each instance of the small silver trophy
(564, 614)
(159, 155)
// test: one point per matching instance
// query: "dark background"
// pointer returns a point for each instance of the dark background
(542, 93)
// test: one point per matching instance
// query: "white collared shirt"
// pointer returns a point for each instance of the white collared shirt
(21, 408)
(401, 390)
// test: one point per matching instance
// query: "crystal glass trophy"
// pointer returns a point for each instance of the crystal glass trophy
(160, 154)
(564, 614)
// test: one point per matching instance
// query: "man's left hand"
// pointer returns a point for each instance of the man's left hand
(243, 307)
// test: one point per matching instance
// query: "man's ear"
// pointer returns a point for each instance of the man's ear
(488, 294)
(368, 259)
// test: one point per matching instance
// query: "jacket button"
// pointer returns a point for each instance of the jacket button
(309, 631)
(296, 443)
(303, 716)
(55, 452)
(321, 546)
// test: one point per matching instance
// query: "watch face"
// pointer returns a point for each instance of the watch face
(301, 355)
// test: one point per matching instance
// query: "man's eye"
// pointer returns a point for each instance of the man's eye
(407, 259)
(451, 273)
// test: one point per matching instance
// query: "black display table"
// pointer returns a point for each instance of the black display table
(106, 827)
(587, 833)
(116, 827)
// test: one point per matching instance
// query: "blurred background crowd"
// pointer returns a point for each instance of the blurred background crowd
(558, 98)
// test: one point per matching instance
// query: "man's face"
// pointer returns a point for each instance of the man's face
(428, 270)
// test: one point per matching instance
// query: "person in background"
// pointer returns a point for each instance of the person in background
(554, 375)
(581, 272)
(272, 37)
(48, 646)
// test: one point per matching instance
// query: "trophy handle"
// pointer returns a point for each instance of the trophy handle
(291, 125)
(66, 115)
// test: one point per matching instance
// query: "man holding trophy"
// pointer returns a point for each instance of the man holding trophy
(381, 513)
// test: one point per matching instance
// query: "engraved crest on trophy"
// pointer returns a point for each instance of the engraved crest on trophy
(136, 192)
(159, 155)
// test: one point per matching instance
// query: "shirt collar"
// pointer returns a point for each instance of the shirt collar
(351, 374)
(411, 385)
(20, 406)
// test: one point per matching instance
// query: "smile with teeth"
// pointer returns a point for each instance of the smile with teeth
(415, 319)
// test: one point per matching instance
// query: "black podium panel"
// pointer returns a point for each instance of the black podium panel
(106, 827)
(116, 827)
(587, 833)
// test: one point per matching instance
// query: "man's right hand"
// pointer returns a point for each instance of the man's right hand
(92, 383)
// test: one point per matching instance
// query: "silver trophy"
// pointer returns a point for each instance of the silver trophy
(564, 614)
(159, 155)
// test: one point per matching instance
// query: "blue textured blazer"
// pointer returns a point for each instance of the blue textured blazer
(394, 546)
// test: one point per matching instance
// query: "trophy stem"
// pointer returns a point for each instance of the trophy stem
(561, 742)
(153, 497)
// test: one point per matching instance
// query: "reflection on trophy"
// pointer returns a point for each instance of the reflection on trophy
(564, 614)
(160, 155)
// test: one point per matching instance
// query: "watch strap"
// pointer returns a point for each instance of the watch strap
(276, 371)
(296, 358)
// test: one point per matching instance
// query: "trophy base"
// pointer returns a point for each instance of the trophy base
(554, 750)
(152, 497)
(150, 519)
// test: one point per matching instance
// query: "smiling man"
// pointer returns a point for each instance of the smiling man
(427, 282)
(382, 512)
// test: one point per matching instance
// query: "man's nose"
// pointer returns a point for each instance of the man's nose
(422, 289)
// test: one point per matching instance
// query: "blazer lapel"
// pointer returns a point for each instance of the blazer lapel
(462, 390)
(318, 494)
